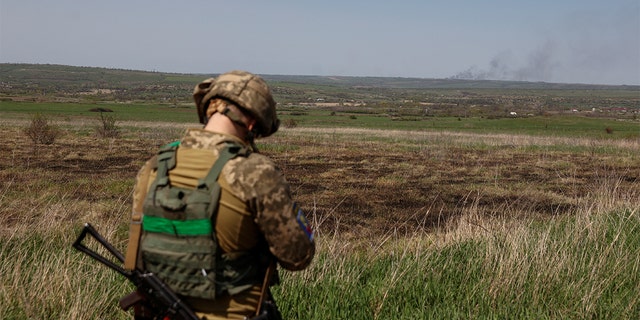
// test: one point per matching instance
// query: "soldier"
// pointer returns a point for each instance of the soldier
(253, 221)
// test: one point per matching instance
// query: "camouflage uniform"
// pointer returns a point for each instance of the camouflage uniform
(255, 209)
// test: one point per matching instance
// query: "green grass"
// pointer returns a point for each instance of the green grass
(572, 268)
(564, 126)
(583, 267)
(122, 112)
(42, 274)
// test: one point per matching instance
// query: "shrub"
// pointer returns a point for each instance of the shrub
(290, 123)
(41, 132)
(107, 127)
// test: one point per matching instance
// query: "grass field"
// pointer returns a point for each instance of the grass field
(450, 222)
(429, 200)
(564, 125)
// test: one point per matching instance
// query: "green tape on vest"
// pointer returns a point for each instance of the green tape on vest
(200, 227)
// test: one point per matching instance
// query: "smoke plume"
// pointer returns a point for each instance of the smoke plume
(586, 47)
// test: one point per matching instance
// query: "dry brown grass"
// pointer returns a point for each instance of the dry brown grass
(406, 191)
(371, 180)
(352, 179)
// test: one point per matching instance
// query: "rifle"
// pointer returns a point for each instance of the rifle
(267, 308)
(163, 302)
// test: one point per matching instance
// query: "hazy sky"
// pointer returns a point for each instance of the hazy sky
(579, 41)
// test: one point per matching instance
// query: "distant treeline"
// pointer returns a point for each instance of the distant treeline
(60, 83)
(72, 76)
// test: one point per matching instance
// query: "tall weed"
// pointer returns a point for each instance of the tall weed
(41, 131)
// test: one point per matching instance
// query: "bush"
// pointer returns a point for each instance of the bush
(107, 127)
(290, 123)
(41, 132)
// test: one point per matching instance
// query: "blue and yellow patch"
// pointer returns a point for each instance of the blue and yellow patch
(304, 223)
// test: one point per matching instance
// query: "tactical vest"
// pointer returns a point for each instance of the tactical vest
(179, 240)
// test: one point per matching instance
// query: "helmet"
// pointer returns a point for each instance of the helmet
(247, 91)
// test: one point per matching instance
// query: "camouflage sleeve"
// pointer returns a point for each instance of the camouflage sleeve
(282, 222)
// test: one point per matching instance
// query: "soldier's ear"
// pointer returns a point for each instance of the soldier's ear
(251, 124)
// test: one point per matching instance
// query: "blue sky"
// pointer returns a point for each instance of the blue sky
(553, 41)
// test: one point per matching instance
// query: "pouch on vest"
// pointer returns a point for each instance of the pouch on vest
(179, 241)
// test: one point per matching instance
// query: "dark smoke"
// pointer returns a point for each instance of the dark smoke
(539, 66)
(584, 47)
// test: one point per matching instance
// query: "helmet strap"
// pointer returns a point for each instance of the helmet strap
(225, 110)
(251, 137)
(235, 118)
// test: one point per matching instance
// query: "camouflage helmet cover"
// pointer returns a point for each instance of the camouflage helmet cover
(244, 89)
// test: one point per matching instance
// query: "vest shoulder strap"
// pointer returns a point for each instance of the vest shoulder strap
(166, 161)
(230, 151)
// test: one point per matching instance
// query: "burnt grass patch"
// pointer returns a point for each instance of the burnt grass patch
(351, 188)
(344, 187)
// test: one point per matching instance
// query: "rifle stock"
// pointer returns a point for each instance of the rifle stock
(151, 291)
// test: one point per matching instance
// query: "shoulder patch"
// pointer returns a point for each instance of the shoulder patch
(303, 222)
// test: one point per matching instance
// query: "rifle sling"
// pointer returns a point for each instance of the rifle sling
(135, 231)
